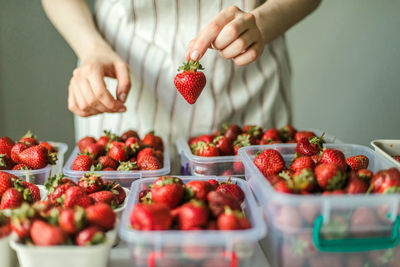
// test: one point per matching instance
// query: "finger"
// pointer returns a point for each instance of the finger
(81, 101)
(233, 30)
(240, 45)
(252, 53)
(124, 80)
(98, 86)
(190, 46)
(208, 35)
(73, 105)
(90, 97)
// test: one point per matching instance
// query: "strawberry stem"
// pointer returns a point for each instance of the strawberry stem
(191, 66)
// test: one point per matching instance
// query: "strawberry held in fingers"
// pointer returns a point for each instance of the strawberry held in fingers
(190, 83)
(149, 217)
(358, 162)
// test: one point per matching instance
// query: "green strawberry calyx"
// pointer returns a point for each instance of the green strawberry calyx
(191, 65)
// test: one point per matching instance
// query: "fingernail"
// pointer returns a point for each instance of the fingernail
(121, 110)
(122, 97)
(195, 55)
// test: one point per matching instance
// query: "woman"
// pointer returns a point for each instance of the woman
(142, 42)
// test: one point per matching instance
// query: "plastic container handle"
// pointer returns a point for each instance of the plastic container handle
(354, 244)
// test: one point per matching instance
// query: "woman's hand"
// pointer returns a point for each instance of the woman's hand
(234, 33)
(88, 94)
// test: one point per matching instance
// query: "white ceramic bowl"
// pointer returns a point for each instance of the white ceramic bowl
(63, 256)
(388, 149)
(7, 255)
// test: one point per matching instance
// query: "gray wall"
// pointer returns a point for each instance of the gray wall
(346, 61)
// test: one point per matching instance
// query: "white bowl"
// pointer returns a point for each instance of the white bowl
(63, 256)
(388, 149)
(7, 255)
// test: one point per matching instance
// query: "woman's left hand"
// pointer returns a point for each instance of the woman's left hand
(234, 33)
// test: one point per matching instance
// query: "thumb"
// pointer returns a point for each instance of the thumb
(123, 80)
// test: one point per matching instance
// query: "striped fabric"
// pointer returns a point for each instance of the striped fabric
(152, 36)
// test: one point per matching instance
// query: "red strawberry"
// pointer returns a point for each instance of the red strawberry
(270, 135)
(21, 167)
(198, 189)
(243, 140)
(106, 197)
(117, 190)
(238, 168)
(190, 82)
(58, 192)
(6, 181)
(134, 144)
(253, 130)
(102, 215)
(149, 217)
(91, 183)
(206, 138)
(94, 150)
(287, 133)
(309, 147)
(282, 186)
(214, 183)
(29, 139)
(273, 179)
(302, 163)
(303, 134)
(269, 162)
(224, 145)
(149, 163)
(303, 181)
(76, 196)
(316, 159)
(218, 200)
(44, 234)
(232, 131)
(330, 176)
(128, 166)
(118, 151)
(11, 199)
(206, 150)
(82, 163)
(128, 134)
(91, 235)
(193, 214)
(36, 157)
(149, 152)
(16, 150)
(356, 185)
(50, 148)
(54, 182)
(5, 227)
(153, 141)
(365, 174)
(108, 162)
(334, 156)
(386, 181)
(33, 189)
(21, 220)
(5, 162)
(84, 142)
(358, 162)
(6, 144)
(107, 138)
(232, 220)
(72, 220)
(397, 158)
(167, 190)
(231, 189)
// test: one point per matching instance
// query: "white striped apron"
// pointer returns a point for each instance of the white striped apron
(152, 36)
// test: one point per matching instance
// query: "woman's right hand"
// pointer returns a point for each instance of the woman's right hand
(87, 92)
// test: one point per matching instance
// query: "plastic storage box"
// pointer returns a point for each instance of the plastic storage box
(388, 149)
(124, 178)
(316, 230)
(224, 165)
(40, 176)
(193, 248)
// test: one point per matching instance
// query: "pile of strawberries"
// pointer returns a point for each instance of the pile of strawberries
(230, 138)
(13, 191)
(5, 226)
(44, 224)
(324, 170)
(169, 204)
(91, 189)
(120, 153)
(26, 154)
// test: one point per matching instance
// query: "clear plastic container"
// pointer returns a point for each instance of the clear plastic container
(124, 178)
(40, 176)
(334, 230)
(223, 165)
(193, 248)
(388, 149)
